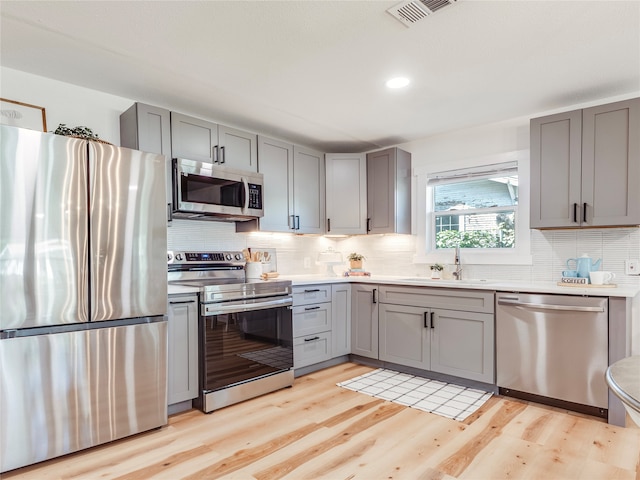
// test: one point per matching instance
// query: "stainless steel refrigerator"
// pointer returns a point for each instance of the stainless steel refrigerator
(83, 293)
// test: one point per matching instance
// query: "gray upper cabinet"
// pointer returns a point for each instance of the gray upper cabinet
(275, 162)
(205, 141)
(238, 149)
(294, 183)
(147, 128)
(585, 167)
(389, 191)
(346, 193)
(308, 190)
(193, 138)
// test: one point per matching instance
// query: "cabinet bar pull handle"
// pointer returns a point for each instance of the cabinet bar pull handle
(312, 290)
(214, 154)
(375, 295)
(544, 306)
(425, 319)
(368, 224)
(185, 301)
(432, 326)
(224, 155)
(311, 339)
(584, 212)
(297, 222)
(328, 224)
(575, 213)
(292, 223)
(312, 308)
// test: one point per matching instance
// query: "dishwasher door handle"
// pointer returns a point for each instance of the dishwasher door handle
(545, 306)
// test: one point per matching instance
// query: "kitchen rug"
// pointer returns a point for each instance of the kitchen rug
(445, 399)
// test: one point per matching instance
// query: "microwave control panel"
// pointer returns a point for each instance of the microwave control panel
(255, 196)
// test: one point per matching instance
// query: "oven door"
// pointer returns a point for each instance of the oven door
(245, 342)
(207, 189)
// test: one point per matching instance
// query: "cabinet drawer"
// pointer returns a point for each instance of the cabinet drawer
(311, 349)
(311, 294)
(451, 299)
(308, 319)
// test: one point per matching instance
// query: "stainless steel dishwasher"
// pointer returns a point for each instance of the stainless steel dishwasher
(553, 349)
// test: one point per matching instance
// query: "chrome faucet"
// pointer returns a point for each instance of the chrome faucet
(458, 273)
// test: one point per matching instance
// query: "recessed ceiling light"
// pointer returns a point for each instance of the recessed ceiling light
(398, 82)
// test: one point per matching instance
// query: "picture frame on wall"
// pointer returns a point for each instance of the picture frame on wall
(23, 115)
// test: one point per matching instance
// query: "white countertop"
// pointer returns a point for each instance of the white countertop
(494, 285)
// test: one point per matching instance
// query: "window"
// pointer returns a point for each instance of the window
(475, 213)
(482, 209)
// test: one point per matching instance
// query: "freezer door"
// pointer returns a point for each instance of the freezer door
(128, 232)
(64, 392)
(43, 229)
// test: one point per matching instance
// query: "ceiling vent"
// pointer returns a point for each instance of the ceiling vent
(410, 11)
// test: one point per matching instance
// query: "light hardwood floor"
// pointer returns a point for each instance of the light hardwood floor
(318, 430)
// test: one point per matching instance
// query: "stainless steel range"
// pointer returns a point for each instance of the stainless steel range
(245, 330)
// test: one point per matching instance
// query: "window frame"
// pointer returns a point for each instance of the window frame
(425, 216)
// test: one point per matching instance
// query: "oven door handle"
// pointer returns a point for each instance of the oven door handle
(243, 306)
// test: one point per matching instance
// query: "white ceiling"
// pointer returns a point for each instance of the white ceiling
(313, 72)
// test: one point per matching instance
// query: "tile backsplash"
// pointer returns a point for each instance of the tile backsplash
(393, 254)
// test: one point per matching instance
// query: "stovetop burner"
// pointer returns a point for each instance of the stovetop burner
(220, 276)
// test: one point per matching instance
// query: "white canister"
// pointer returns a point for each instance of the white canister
(253, 269)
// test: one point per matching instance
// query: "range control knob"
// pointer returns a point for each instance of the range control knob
(228, 256)
(169, 257)
(179, 257)
(238, 256)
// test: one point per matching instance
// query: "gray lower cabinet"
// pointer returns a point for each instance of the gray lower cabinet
(341, 319)
(321, 323)
(182, 384)
(312, 323)
(456, 340)
(405, 336)
(364, 320)
(462, 344)
(585, 167)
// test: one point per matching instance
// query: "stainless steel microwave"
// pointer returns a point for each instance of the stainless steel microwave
(206, 191)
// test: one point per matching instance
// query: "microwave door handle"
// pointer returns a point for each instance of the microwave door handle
(245, 202)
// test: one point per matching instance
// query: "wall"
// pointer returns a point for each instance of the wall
(66, 103)
(385, 254)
